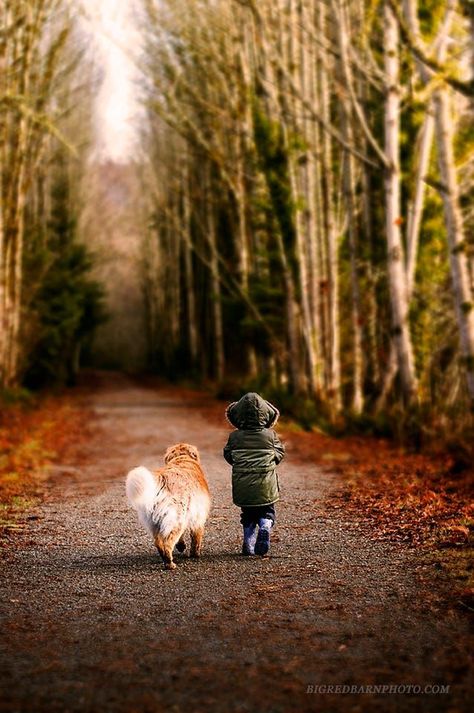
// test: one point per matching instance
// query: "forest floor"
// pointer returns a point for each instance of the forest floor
(350, 596)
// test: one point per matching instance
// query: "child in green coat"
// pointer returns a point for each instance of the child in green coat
(254, 450)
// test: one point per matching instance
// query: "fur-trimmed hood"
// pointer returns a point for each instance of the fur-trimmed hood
(251, 413)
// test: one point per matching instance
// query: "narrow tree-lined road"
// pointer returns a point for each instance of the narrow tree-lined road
(92, 622)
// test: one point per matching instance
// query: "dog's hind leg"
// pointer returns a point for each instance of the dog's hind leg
(166, 545)
(166, 552)
(196, 541)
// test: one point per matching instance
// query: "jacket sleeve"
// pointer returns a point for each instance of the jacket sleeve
(279, 449)
(228, 452)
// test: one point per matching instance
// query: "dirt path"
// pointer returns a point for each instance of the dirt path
(92, 623)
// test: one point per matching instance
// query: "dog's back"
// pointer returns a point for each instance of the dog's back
(185, 482)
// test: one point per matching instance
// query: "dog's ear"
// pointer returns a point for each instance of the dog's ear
(170, 454)
(193, 452)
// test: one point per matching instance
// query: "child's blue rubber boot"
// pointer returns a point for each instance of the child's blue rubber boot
(262, 544)
(250, 536)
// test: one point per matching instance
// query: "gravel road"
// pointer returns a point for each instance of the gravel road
(92, 623)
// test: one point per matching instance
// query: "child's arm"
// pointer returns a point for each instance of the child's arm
(228, 452)
(279, 448)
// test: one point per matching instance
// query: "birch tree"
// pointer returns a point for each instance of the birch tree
(444, 126)
(397, 275)
(311, 233)
(35, 35)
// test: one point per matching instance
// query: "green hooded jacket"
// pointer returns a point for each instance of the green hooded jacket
(253, 451)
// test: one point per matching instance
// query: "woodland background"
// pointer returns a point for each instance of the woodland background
(297, 219)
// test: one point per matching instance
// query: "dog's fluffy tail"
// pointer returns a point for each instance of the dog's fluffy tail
(156, 510)
(141, 488)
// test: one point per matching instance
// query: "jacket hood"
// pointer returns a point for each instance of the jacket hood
(252, 412)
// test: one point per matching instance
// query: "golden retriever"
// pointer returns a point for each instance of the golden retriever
(172, 500)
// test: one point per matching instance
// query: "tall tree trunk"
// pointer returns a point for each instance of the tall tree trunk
(356, 317)
(348, 121)
(294, 362)
(396, 265)
(415, 213)
(2, 287)
(173, 244)
(188, 268)
(4, 21)
(219, 360)
(463, 298)
(334, 372)
(371, 317)
(307, 79)
(14, 255)
(275, 105)
(243, 148)
(297, 183)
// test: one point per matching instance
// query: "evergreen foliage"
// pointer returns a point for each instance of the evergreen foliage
(69, 303)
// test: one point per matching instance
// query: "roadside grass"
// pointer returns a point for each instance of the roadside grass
(418, 500)
(35, 431)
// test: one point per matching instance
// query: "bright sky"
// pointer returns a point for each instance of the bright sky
(116, 39)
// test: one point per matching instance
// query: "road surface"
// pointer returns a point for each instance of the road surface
(93, 623)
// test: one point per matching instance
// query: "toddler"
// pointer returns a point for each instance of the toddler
(254, 450)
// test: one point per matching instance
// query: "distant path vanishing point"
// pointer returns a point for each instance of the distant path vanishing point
(92, 623)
